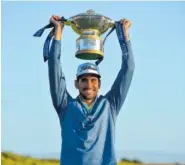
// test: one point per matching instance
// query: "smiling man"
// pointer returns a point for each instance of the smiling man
(88, 83)
(88, 121)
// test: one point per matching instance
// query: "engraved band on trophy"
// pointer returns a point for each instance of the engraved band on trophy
(90, 26)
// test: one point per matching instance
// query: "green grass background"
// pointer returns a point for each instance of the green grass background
(8, 158)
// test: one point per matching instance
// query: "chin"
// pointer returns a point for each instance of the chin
(88, 97)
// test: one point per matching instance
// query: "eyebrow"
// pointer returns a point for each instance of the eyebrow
(84, 78)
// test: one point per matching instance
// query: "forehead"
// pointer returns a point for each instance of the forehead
(88, 76)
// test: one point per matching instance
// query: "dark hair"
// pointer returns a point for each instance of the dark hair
(94, 75)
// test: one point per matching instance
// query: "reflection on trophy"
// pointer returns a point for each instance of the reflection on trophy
(89, 26)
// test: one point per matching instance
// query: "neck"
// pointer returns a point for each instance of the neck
(88, 102)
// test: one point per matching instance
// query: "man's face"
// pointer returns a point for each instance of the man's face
(88, 86)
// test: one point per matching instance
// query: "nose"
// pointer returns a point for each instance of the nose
(89, 83)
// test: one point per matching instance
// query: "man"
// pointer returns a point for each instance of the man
(88, 121)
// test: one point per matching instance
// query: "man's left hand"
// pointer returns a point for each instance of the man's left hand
(126, 25)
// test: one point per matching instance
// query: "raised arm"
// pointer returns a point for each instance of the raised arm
(120, 87)
(57, 82)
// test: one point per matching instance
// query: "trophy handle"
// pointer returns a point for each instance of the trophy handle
(72, 23)
(111, 23)
(67, 22)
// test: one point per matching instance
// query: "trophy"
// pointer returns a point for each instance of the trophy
(90, 26)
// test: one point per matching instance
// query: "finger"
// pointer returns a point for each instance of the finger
(122, 21)
(52, 20)
(56, 17)
(127, 23)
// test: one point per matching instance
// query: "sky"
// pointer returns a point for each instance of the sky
(153, 115)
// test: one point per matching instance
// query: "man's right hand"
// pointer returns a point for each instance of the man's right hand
(55, 20)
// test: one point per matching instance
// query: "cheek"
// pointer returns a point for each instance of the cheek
(97, 86)
(82, 86)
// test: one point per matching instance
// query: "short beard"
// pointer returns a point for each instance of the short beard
(85, 97)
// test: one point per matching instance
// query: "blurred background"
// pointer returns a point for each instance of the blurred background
(151, 124)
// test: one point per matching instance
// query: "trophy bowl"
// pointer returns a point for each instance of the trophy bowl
(90, 26)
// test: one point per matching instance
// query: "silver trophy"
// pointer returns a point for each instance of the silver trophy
(90, 26)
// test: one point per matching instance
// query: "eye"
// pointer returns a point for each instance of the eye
(94, 80)
(83, 80)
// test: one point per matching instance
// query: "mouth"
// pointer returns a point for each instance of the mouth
(88, 91)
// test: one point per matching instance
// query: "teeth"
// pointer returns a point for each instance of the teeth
(88, 91)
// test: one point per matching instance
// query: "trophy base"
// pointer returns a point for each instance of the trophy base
(89, 55)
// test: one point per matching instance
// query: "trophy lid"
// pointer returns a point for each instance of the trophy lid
(88, 13)
(90, 20)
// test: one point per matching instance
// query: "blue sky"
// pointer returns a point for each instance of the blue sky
(152, 118)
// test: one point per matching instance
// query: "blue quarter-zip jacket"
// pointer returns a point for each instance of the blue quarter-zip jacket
(88, 137)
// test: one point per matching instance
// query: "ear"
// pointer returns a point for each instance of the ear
(76, 84)
(99, 84)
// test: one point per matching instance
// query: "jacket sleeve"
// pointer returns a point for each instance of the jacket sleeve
(120, 87)
(59, 94)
